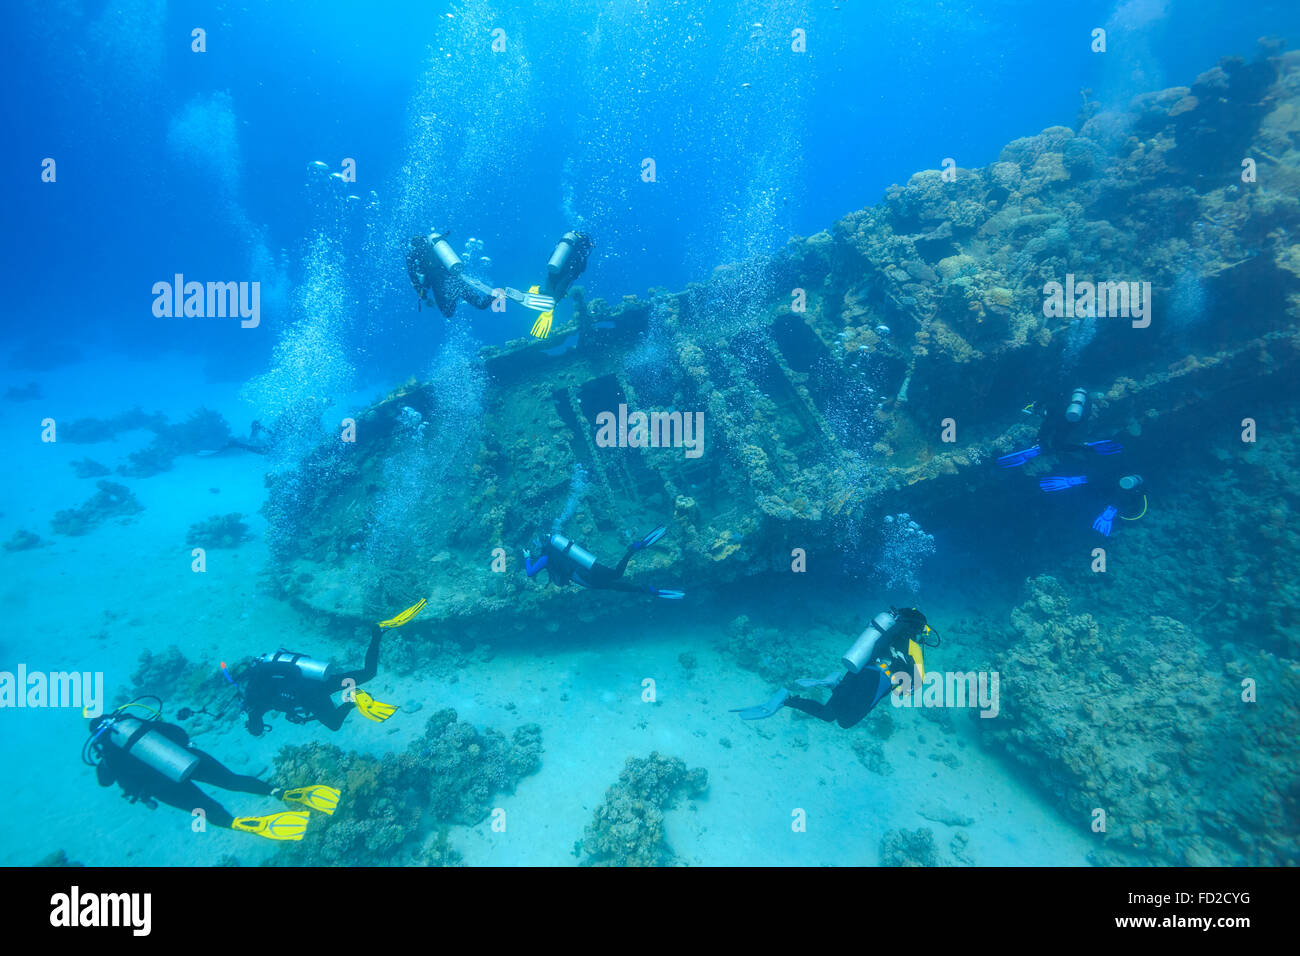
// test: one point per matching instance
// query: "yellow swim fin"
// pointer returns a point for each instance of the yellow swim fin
(406, 615)
(285, 825)
(542, 327)
(372, 709)
(316, 797)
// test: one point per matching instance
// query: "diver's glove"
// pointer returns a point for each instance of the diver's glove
(1061, 482)
(1105, 520)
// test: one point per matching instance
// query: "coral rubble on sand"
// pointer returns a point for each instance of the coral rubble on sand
(219, 531)
(89, 468)
(909, 848)
(203, 430)
(627, 828)
(1140, 718)
(395, 810)
(23, 540)
(110, 501)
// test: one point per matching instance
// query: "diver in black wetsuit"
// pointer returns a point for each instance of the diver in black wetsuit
(1063, 416)
(567, 262)
(569, 563)
(1093, 466)
(433, 266)
(891, 642)
(155, 762)
(1096, 471)
(302, 688)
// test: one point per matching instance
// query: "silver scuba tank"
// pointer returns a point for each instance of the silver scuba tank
(310, 667)
(859, 655)
(579, 554)
(445, 253)
(561, 254)
(1078, 404)
(152, 749)
(1129, 482)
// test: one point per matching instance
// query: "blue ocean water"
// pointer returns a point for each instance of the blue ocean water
(301, 148)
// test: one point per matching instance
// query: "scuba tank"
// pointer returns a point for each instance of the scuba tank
(445, 253)
(1130, 482)
(309, 667)
(859, 655)
(1078, 406)
(563, 249)
(580, 555)
(157, 752)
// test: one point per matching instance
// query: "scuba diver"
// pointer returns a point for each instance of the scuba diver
(891, 642)
(1062, 417)
(433, 266)
(1096, 464)
(155, 762)
(302, 687)
(569, 563)
(567, 262)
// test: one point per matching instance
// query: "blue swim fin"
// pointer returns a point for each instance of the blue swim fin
(1061, 482)
(650, 539)
(1104, 447)
(1018, 458)
(1105, 520)
(765, 709)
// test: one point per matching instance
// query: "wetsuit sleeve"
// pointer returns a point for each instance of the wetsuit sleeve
(531, 567)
